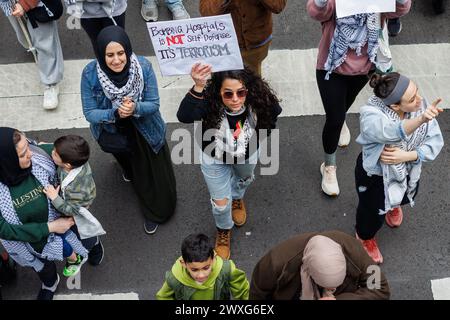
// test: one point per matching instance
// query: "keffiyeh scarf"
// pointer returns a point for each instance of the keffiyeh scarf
(7, 6)
(44, 171)
(353, 33)
(226, 142)
(396, 183)
(133, 88)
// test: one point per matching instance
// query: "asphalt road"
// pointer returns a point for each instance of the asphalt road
(279, 206)
(293, 29)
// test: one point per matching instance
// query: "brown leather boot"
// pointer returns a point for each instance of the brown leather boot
(238, 212)
(223, 241)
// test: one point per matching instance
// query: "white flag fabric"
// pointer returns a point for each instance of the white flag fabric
(345, 8)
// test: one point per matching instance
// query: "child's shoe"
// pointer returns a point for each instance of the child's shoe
(72, 268)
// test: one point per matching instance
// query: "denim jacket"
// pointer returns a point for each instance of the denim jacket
(377, 130)
(98, 110)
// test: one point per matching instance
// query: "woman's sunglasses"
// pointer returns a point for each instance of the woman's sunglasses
(228, 95)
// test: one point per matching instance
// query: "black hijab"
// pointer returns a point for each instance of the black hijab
(11, 174)
(114, 34)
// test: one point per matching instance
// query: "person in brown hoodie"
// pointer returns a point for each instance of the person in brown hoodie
(252, 20)
(318, 266)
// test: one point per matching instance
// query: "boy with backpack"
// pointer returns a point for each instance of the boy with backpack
(200, 274)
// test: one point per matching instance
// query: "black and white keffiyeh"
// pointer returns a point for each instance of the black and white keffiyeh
(353, 32)
(225, 141)
(44, 171)
(133, 88)
(396, 183)
(7, 7)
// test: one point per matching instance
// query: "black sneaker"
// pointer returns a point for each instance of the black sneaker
(150, 226)
(394, 27)
(47, 293)
(95, 256)
(438, 6)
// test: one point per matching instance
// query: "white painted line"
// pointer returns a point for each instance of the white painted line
(89, 296)
(290, 72)
(441, 289)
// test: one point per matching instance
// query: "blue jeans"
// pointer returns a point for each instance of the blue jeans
(227, 181)
(171, 4)
(67, 248)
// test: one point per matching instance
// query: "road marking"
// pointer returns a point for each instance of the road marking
(441, 289)
(290, 72)
(90, 296)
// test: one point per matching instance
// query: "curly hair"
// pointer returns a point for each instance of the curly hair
(260, 97)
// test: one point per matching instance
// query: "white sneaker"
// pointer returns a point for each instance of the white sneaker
(329, 180)
(180, 13)
(344, 138)
(149, 10)
(51, 97)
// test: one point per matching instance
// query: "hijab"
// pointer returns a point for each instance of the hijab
(106, 36)
(11, 174)
(324, 265)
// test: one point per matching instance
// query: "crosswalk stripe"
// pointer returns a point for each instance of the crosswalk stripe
(290, 72)
(90, 296)
(441, 289)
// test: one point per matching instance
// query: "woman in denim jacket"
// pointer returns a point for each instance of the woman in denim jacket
(398, 133)
(120, 100)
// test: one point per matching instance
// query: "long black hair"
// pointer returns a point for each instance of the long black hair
(260, 97)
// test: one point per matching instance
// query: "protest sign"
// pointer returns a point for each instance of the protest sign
(179, 44)
(346, 8)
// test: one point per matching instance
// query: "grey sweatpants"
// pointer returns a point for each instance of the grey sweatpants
(45, 39)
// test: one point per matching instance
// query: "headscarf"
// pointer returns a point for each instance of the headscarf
(324, 265)
(106, 36)
(117, 85)
(11, 174)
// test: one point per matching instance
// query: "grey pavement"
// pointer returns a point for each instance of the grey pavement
(293, 29)
(279, 206)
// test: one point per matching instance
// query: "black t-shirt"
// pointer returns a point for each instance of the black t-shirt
(196, 109)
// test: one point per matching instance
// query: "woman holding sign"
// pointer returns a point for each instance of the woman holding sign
(398, 133)
(347, 54)
(120, 100)
(237, 109)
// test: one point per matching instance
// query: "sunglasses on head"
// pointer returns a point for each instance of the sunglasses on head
(241, 93)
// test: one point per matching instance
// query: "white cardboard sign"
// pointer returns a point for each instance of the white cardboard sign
(345, 8)
(179, 44)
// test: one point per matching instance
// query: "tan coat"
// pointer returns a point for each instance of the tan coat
(277, 274)
(252, 19)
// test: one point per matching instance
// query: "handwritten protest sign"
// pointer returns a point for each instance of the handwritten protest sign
(179, 44)
(346, 8)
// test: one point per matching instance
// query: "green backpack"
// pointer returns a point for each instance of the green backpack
(221, 287)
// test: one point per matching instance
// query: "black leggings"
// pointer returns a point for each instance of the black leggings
(370, 192)
(338, 94)
(48, 273)
(93, 26)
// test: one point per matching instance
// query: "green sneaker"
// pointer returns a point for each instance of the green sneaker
(72, 268)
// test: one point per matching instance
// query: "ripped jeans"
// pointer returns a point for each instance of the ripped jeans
(227, 181)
